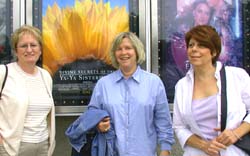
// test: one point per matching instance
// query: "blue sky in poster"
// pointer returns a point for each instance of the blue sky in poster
(64, 3)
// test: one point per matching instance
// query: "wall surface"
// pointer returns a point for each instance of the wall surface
(63, 147)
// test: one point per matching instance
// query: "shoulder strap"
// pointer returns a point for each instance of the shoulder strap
(4, 80)
(223, 98)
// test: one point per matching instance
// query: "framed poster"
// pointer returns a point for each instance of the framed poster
(224, 15)
(246, 34)
(77, 36)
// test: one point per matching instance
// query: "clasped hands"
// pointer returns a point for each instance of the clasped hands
(225, 139)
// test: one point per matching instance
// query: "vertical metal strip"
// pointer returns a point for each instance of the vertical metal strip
(148, 35)
(154, 37)
(29, 12)
(22, 12)
(142, 25)
(16, 14)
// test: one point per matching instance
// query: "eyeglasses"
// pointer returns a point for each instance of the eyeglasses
(26, 46)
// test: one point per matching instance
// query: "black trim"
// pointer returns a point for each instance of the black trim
(4, 80)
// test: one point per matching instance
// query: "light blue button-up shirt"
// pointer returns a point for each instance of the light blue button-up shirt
(139, 109)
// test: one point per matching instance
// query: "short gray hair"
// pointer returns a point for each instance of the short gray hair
(136, 43)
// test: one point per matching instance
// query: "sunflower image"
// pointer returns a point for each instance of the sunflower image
(83, 31)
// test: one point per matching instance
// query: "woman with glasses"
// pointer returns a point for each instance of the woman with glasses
(27, 117)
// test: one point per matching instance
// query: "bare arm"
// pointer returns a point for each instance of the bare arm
(210, 147)
(1, 139)
(242, 130)
(229, 137)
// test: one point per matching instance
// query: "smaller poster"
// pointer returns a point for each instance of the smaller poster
(224, 15)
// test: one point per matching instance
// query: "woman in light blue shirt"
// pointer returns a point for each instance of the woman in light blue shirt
(135, 100)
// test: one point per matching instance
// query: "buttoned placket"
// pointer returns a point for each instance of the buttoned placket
(126, 100)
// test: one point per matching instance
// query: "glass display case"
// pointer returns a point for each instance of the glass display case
(176, 17)
(76, 39)
(77, 35)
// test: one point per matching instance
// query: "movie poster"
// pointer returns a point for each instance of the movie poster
(5, 49)
(77, 36)
(224, 15)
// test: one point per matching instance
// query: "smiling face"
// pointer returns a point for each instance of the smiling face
(198, 54)
(126, 57)
(28, 49)
(201, 14)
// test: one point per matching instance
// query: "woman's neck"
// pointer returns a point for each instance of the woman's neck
(128, 73)
(204, 72)
(28, 68)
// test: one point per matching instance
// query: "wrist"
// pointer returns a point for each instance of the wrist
(203, 146)
(236, 135)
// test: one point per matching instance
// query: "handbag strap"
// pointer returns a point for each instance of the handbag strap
(4, 80)
(223, 98)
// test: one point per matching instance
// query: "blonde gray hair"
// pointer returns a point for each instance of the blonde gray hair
(136, 43)
(25, 29)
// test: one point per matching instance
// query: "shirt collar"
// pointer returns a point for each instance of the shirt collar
(190, 72)
(135, 75)
(218, 68)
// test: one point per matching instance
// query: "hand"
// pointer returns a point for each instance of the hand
(164, 153)
(227, 137)
(1, 139)
(213, 147)
(104, 125)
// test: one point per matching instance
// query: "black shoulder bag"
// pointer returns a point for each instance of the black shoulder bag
(4, 80)
(244, 142)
